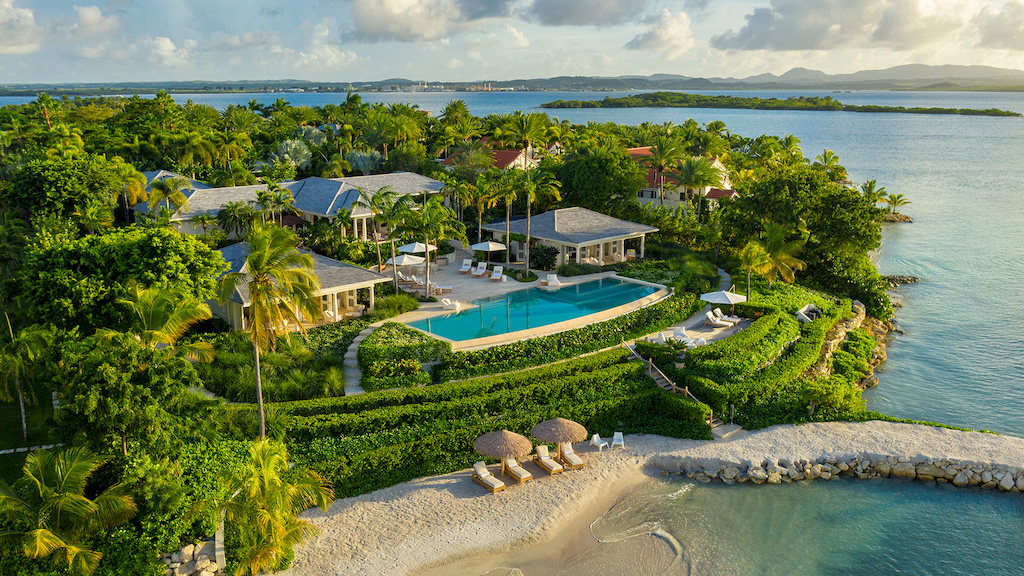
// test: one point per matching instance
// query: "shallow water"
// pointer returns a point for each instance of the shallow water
(808, 528)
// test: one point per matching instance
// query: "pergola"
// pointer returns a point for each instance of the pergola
(581, 235)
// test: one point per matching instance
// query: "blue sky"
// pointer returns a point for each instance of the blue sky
(467, 40)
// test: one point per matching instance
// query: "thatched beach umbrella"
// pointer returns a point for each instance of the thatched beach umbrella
(503, 444)
(559, 430)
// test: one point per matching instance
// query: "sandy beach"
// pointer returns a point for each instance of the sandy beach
(430, 522)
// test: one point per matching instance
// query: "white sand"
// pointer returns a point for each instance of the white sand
(432, 521)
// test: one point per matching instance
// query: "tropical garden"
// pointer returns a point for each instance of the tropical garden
(115, 362)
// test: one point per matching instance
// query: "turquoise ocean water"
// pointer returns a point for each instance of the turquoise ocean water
(959, 361)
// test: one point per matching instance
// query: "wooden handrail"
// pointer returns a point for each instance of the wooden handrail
(651, 369)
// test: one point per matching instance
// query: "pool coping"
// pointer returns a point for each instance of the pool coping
(548, 329)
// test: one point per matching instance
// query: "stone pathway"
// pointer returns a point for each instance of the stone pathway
(29, 448)
(353, 375)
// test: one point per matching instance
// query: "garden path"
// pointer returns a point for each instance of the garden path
(353, 375)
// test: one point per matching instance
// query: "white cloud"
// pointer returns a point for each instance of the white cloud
(164, 51)
(586, 12)
(407, 20)
(92, 23)
(250, 40)
(453, 64)
(18, 31)
(1001, 27)
(322, 53)
(518, 39)
(668, 34)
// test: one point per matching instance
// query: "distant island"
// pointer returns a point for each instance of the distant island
(826, 103)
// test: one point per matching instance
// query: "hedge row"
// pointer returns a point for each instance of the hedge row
(453, 390)
(522, 398)
(731, 360)
(547, 349)
(653, 411)
(394, 341)
(377, 383)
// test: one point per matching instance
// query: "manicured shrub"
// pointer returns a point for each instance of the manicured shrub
(659, 354)
(391, 306)
(394, 341)
(740, 355)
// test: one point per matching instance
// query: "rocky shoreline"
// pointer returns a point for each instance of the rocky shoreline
(864, 466)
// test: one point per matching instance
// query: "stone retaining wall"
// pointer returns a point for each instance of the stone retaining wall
(865, 466)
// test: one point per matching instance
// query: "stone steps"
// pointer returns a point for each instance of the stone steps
(727, 431)
(353, 375)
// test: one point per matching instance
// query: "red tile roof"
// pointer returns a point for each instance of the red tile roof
(502, 158)
(716, 193)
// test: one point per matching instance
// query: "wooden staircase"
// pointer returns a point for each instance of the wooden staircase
(669, 385)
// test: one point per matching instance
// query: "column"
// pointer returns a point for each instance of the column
(642, 238)
(334, 305)
(600, 254)
(579, 250)
(371, 297)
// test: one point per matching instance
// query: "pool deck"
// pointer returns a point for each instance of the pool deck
(467, 288)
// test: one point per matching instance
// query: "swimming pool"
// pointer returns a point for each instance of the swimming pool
(533, 308)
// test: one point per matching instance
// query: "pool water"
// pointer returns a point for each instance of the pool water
(533, 308)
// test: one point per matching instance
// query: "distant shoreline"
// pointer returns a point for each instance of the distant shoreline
(802, 103)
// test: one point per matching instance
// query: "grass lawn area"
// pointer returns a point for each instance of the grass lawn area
(36, 414)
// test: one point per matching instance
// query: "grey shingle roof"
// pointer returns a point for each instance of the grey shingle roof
(334, 275)
(319, 196)
(575, 226)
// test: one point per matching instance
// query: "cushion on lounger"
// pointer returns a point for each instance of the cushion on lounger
(492, 481)
(481, 469)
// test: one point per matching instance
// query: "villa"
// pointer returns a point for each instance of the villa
(673, 196)
(502, 160)
(580, 235)
(315, 198)
(339, 283)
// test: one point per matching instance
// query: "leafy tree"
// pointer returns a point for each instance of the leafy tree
(282, 287)
(59, 185)
(52, 514)
(116, 390)
(600, 178)
(76, 281)
(236, 218)
(94, 216)
(21, 357)
(263, 506)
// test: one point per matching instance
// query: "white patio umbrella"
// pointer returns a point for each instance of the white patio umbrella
(416, 247)
(488, 246)
(723, 297)
(405, 260)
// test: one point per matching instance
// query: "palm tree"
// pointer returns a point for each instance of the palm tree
(265, 201)
(537, 185)
(236, 218)
(434, 221)
(204, 220)
(19, 358)
(282, 201)
(454, 111)
(664, 153)
(483, 197)
(282, 287)
(94, 215)
(169, 191)
(895, 201)
(698, 174)
(781, 260)
(364, 162)
(505, 190)
(133, 184)
(753, 258)
(51, 508)
(264, 506)
(872, 192)
(161, 314)
(526, 128)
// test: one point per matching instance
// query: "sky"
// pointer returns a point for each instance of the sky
(471, 40)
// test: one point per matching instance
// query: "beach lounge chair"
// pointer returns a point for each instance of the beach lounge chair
(631, 254)
(659, 339)
(617, 441)
(596, 442)
(440, 289)
(498, 270)
(681, 335)
(545, 461)
(551, 280)
(481, 269)
(569, 458)
(711, 320)
(447, 304)
(516, 471)
(467, 266)
(417, 283)
(403, 279)
(484, 478)
(721, 316)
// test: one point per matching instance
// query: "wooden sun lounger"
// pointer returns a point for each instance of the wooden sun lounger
(569, 458)
(545, 461)
(484, 478)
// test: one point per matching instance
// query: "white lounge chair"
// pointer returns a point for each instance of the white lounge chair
(447, 304)
(440, 289)
(467, 266)
(481, 269)
(711, 320)
(545, 461)
(721, 316)
(659, 339)
(484, 478)
(631, 254)
(681, 335)
(498, 270)
(617, 441)
(403, 279)
(417, 283)
(551, 280)
(569, 458)
(596, 442)
(516, 471)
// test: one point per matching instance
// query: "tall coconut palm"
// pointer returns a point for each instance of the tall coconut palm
(236, 218)
(665, 154)
(204, 220)
(20, 358)
(526, 129)
(536, 185)
(698, 174)
(507, 192)
(133, 185)
(482, 196)
(754, 258)
(872, 192)
(266, 498)
(782, 262)
(282, 201)
(265, 202)
(282, 287)
(170, 191)
(51, 513)
(434, 222)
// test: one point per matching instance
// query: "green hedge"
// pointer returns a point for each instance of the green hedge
(391, 306)
(453, 390)
(375, 383)
(394, 341)
(547, 349)
(740, 355)
(335, 338)
(660, 354)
